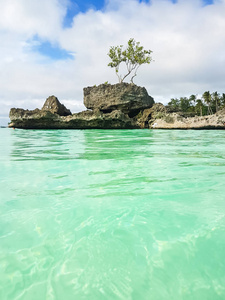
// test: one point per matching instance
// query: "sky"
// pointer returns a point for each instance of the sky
(58, 47)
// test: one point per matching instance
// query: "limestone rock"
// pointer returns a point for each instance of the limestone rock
(165, 120)
(125, 107)
(40, 119)
(20, 114)
(114, 107)
(128, 98)
(31, 119)
(145, 117)
(53, 105)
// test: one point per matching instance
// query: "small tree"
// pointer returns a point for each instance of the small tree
(133, 56)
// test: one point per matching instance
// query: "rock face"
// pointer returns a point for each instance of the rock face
(145, 118)
(157, 117)
(39, 119)
(53, 105)
(113, 107)
(128, 98)
(120, 106)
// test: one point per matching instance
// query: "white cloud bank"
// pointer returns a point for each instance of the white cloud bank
(187, 40)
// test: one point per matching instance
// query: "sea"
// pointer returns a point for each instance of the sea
(112, 214)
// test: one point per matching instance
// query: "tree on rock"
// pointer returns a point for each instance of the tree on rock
(133, 56)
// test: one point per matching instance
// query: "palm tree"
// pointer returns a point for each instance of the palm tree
(193, 99)
(198, 107)
(222, 100)
(216, 100)
(208, 99)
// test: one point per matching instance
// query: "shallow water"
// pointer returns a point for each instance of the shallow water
(112, 214)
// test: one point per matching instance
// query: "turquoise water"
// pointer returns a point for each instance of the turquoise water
(129, 214)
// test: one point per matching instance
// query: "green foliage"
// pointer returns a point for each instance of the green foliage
(174, 105)
(169, 119)
(208, 104)
(222, 100)
(133, 57)
(184, 104)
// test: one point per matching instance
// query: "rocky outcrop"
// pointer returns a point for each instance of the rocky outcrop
(39, 119)
(51, 110)
(158, 117)
(113, 107)
(120, 106)
(145, 117)
(128, 98)
(53, 105)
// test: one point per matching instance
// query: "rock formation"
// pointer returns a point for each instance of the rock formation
(113, 106)
(119, 106)
(158, 117)
(53, 105)
(128, 98)
(38, 119)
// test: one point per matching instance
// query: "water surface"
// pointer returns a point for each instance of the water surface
(112, 214)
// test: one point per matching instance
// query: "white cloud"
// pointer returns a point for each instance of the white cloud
(187, 40)
(31, 17)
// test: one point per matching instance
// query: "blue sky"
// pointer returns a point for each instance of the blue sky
(58, 47)
(81, 6)
(48, 49)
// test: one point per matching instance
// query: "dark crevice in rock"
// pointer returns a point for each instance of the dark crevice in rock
(106, 111)
(133, 113)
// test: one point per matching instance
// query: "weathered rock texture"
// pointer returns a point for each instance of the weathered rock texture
(145, 117)
(113, 107)
(53, 105)
(158, 117)
(117, 106)
(38, 119)
(128, 98)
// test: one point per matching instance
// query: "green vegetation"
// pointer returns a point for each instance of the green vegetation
(209, 103)
(133, 57)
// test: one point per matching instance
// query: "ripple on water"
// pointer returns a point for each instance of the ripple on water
(114, 214)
